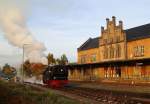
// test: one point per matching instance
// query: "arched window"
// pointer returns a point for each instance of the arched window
(110, 52)
(118, 50)
(105, 52)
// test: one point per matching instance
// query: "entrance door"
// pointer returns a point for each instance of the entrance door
(106, 72)
(118, 71)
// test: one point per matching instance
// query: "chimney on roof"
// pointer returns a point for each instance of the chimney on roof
(107, 22)
(121, 24)
(102, 29)
(114, 20)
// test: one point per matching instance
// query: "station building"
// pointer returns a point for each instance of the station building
(117, 54)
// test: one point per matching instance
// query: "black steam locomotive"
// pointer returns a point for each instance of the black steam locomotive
(55, 76)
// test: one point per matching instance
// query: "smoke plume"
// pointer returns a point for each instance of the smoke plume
(13, 24)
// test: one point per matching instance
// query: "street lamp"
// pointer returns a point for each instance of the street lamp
(23, 48)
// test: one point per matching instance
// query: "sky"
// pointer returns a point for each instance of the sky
(64, 25)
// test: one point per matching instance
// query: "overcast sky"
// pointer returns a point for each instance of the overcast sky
(63, 25)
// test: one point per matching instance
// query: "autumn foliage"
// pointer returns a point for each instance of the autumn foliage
(36, 69)
(8, 72)
(33, 69)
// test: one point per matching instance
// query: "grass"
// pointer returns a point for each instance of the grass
(12, 93)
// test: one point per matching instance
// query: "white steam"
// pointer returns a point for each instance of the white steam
(16, 32)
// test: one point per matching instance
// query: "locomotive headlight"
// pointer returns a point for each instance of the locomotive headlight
(49, 71)
(61, 70)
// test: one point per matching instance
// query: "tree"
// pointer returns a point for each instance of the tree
(7, 69)
(33, 69)
(63, 60)
(8, 72)
(51, 59)
(26, 68)
(58, 61)
(37, 68)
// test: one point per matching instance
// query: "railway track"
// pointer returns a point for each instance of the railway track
(107, 97)
(103, 96)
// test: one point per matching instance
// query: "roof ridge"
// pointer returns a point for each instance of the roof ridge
(85, 42)
(90, 43)
(96, 37)
(137, 26)
(138, 32)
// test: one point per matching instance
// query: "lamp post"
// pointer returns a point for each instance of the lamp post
(23, 55)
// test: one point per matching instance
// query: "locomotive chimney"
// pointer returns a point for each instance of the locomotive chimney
(121, 24)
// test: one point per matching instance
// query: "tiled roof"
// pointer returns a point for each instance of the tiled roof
(139, 32)
(135, 33)
(89, 44)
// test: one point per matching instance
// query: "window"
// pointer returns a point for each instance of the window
(118, 50)
(93, 57)
(105, 52)
(108, 52)
(112, 52)
(135, 51)
(142, 50)
(117, 38)
(138, 51)
(105, 41)
(83, 59)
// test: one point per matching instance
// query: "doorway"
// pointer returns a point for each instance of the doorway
(118, 71)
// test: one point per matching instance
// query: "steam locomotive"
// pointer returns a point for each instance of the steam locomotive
(55, 76)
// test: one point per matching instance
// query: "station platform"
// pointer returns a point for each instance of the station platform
(115, 86)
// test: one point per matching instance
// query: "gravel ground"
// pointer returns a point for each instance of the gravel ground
(113, 87)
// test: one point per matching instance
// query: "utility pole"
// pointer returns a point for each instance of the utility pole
(23, 55)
